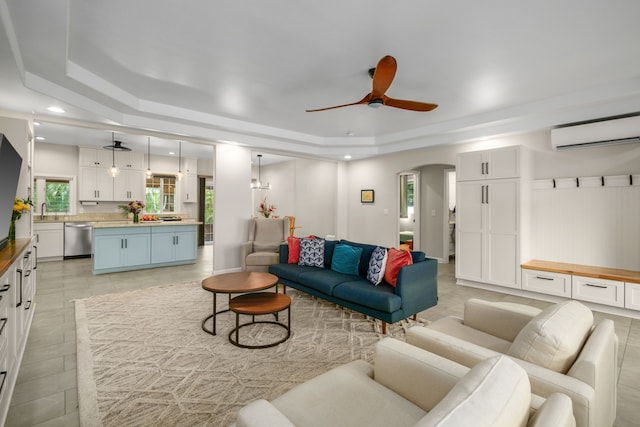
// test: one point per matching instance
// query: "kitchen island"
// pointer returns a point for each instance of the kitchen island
(119, 246)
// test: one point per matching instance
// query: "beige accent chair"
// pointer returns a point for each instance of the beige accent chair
(262, 249)
(559, 347)
(408, 386)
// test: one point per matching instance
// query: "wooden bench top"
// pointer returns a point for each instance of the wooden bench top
(584, 270)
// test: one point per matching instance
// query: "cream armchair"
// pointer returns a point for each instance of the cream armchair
(559, 347)
(408, 386)
(265, 237)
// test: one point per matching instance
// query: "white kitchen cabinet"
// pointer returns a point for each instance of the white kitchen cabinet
(489, 164)
(489, 218)
(95, 157)
(17, 289)
(190, 166)
(129, 160)
(49, 240)
(487, 226)
(95, 184)
(189, 188)
(129, 185)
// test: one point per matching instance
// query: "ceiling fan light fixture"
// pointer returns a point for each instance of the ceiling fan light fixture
(375, 103)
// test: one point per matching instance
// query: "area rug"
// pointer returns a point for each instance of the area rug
(143, 359)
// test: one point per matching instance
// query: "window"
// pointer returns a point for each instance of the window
(406, 196)
(161, 194)
(55, 192)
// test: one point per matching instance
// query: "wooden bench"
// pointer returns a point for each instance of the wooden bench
(584, 270)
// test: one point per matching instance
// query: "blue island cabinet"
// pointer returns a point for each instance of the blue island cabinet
(143, 246)
(121, 249)
(174, 244)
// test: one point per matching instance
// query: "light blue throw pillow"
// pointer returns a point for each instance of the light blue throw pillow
(377, 264)
(312, 252)
(346, 259)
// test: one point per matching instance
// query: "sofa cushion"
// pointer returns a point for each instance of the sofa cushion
(553, 339)
(294, 249)
(290, 272)
(381, 297)
(377, 265)
(396, 259)
(346, 259)
(347, 396)
(495, 393)
(266, 246)
(329, 247)
(324, 280)
(367, 250)
(312, 252)
(262, 258)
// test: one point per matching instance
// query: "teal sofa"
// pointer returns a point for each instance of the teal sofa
(415, 291)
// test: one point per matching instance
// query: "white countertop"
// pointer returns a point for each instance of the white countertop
(113, 224)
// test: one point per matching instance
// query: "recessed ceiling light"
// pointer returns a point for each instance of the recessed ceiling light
(40, 138)
(55, 109)
(36, 123)
(347, 157)
(172, 153)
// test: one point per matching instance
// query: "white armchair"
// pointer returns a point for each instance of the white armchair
(263, 246)
(408, 386)
(560, 349)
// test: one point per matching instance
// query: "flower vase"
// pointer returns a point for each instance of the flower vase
(135, 218)
(12, 231)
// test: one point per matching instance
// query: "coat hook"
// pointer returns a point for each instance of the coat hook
(577, 182)
(602, 177)
(554, 183)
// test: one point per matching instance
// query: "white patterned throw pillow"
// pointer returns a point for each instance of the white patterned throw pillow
(312, 252)
(377, 264)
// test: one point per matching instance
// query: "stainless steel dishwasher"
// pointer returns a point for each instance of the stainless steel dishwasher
(77, 240)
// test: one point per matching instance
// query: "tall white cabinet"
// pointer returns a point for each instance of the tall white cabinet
(490, 219)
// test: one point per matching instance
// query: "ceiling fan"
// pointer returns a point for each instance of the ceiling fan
(382, 77)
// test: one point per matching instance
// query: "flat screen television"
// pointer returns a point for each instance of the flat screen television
(10, 164)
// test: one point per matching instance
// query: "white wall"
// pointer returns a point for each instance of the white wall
(232, 205)
(605, 233)
(20, 133)
(432, 207)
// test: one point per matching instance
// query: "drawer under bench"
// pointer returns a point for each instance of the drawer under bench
(601, 285)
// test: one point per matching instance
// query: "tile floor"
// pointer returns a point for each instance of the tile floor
(46, 394)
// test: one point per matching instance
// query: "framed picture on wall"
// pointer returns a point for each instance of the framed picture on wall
(366, 196)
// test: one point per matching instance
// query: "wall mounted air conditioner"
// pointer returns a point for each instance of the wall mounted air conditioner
(605, 132)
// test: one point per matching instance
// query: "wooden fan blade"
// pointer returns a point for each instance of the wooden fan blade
(362, 101)
(383, 76)
(408, 105)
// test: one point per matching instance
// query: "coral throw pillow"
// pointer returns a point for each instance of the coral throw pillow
(396, 259)
(294, 249)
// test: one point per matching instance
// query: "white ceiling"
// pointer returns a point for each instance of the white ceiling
(245, 71)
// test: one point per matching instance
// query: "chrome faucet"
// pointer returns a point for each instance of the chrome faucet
(43, 208)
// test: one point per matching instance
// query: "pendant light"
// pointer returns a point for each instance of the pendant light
(113, 170)
(257, 185)
(148, 172)
(179, 175)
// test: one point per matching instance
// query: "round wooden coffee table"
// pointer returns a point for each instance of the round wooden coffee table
(257, 304)
(235, 283)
